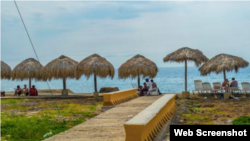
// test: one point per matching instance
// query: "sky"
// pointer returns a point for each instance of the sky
(120, 30)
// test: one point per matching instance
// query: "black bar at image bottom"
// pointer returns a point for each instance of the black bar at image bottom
(214, 132)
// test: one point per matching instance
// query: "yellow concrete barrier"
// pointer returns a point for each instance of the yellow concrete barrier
(149, 122)
(114, 98)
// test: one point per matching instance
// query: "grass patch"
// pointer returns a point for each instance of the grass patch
(19, 127)
(243, 120)
(11, 101)
(42, 120)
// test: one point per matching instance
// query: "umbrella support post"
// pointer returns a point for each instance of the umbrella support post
(65, 92)
(96, 95)
(226, 95)
(185, 94)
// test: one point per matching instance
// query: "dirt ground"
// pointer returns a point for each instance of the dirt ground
(36, 105)
(210, 111)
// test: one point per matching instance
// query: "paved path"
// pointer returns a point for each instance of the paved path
(107, 126)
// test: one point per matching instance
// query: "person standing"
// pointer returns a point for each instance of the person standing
(149, 84)
(25, 90)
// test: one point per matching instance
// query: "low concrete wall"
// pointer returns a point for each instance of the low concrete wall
(114, 98)
(149, 122)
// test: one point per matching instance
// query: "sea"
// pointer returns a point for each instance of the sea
(169, 80)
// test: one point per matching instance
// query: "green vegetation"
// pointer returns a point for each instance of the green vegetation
(210, 112)
(12, 101)
(243, 120)
(36, 120)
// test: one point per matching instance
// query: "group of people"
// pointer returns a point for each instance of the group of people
(234, 83)
(147, 87)
(26, 91)
(226, 84)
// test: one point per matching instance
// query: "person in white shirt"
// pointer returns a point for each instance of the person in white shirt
(155, 86)
(149, 84)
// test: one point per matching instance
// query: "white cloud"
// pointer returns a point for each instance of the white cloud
(57, 28)
(184, 1)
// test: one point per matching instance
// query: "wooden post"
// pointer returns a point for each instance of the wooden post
(64, 83)
(95, 83)
(224, 72)
(138, 81)
(64, 91)
(29, 84)
(185, 75)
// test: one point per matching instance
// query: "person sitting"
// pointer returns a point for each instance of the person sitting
(149, 84)
(154, 86)
(18, 91)
(33, 91)
(2, 93)
(224, 86)
(25, 90)
(140, 88)
(234, 83)
(144, 89)
(225, 83)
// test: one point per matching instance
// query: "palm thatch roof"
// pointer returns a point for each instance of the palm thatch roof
(186, 53)
(5, 71)
(136, 66)
(223, 62)
(96, 65)
(61, 67)
(28, 69)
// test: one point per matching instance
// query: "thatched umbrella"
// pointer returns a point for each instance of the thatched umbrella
(186, 54)
(28, 69)
(97, 66)
(5, 71)
(61, 67)
(223, 63)
(137, 66)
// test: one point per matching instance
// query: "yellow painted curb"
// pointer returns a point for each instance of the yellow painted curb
(114, 98)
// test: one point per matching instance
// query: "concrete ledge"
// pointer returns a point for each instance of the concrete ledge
(149, 122)
(162, 135)
(114, 98)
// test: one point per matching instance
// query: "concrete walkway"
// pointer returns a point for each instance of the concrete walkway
(108, 126)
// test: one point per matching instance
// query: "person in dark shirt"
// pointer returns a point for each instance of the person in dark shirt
(18, 91)
(234, 83)
(2, 93)
(144, 89)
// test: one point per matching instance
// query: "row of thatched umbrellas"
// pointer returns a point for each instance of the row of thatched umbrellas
(136, 67)
(220, 63)
(59, 68)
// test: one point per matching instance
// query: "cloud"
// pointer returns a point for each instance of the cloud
(120, 30)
